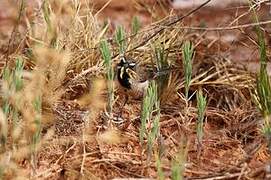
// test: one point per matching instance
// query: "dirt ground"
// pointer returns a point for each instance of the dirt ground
(226, 48)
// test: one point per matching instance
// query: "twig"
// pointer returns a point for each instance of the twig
(84, 157)
(84, 73)
(84, 147)
(225, 28)
(124, 171)
(101, 9)
(48, 172)
(116, 160)
(225, 176)
(66, 152)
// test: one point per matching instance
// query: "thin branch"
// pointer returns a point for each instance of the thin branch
(225, 28)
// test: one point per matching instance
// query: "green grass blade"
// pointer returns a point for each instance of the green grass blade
(107, 59)
(120, 39)
(187, 55)
(201, 106)
(136, 25)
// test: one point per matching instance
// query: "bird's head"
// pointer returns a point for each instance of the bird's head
(126, 72)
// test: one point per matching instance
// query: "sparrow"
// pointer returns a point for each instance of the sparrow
(129, 78)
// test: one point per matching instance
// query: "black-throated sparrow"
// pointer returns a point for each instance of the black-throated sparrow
(129, 79)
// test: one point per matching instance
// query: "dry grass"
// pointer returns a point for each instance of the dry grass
(68, 136)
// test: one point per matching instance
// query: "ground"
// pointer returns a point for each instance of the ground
(79, 139)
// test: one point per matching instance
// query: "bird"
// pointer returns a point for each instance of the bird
(129, 78)
(135, 79)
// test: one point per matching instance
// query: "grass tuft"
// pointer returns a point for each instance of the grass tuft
(154, 131)
(37, 105)
(201, 106)
(51, 28)
(263, 88)
(160, 173)
(178, 163)
(147, 108)
(188, 55)
(150, 112)
(135, 25)
(12, 84)
(161, 58)
(120, 39)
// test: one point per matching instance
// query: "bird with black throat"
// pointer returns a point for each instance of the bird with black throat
(130, 79)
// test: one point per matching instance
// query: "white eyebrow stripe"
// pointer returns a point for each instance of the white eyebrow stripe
(132, 64)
